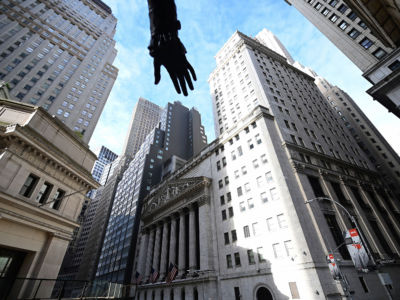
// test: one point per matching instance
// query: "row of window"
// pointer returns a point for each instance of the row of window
(44, 192)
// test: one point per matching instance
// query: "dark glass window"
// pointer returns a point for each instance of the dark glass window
(250, 256)
(337, 235)
(366, 43)
(237, 259)
(44, 192)
(29, 185)
(354, 33)
(58, 197)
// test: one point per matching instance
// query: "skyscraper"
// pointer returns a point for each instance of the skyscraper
(59, 56)
(105, 157)
(368, 138)
(145, 117)
(234, 219)
(178, 137)
(368, 33)
(82, 258)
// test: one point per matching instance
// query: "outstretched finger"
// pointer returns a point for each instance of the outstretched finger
(192, 71)
(157, 72)
(175, 82)
(188, 80)
(181, 79)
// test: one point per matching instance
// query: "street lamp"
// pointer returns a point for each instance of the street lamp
(352, 219)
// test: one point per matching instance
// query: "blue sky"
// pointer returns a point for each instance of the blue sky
(206, 26)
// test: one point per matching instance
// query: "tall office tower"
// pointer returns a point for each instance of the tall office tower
(368, 33)
(145, 117)
(178, 137)
(73, 257)
(105, 157)
(235, 216)
(368, 138)
(59, 55)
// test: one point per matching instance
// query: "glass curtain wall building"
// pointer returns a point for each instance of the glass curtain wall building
(179, 134)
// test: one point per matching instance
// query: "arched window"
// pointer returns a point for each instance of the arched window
(264, 294)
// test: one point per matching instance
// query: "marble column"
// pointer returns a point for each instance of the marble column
(204, 236)
(144, 244)
(156, 254)
(192, 239)
(172, 242)
(149, 253)
(164, 251)
(182, 252)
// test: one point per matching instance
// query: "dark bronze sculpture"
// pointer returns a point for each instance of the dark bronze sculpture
(165, 46)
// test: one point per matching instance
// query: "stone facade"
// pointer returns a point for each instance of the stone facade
(367, 33)
(42, 189)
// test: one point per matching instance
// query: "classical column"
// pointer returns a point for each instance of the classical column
(182, 252)
(156, 254)
(144, 245)
(192, 239)
(149, 253)
(164, 251)
(172, 241)
(204, 236)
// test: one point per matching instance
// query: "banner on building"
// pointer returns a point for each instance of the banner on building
(357, 251)
(333, 267)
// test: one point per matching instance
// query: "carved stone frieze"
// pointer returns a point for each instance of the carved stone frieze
(186, 189)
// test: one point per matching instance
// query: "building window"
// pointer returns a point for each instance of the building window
(277, 250)
(264, 197)
(255, 228)
(226, 180)
(250, 256)
(379, 53)
(228, 197)
(237, 259)
(44, 193)
(282, 221)
(362, 25)
(230, 212)
(222, 199)
(246, 231)
(395, 65)
(226, 238)
(29, 185)
(239, 191)
(57, 199)
(220, 184)
(354, 33)
(343, 25)
(352, 15)
(234, 236)
(288, 247)
(325, 11)
(333, 18)
(317, 6)
(274, 194)
(242, 207)
(218, 165)
(223, 215)
(260, 254)
(250, 203)
(342, 8)
(271, 225)
(229, 261)
(333, 3)
(366, 43)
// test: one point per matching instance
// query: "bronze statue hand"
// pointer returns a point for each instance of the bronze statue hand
(171, 54)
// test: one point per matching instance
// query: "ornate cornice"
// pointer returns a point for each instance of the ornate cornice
(173, 192)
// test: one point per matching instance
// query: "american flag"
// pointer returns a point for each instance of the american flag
(172, 270)
(138, 278)
(153, 275)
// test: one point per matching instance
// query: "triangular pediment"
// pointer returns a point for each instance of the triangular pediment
(172, 191)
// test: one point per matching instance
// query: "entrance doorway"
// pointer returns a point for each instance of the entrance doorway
(10, 262)
(264, 294)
